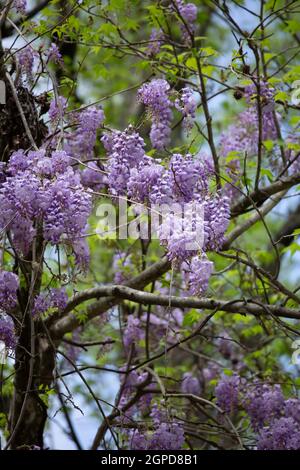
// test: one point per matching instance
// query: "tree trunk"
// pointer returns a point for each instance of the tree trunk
(33, 379)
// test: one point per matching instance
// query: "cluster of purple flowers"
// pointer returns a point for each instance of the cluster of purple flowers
(185, 180)
(93, 177)
(199, 270)
(227, 393)
(20, 6)
(216, 220)
(81, 142)
(188, 13)
(26, 57)
(168, 434)
(7, 332)
(275, 420)
(263, 403)
(190, 384)
(45, 188)
(143, 180)
(133, 332)
(9, 284)
(187, 105)
(126, 151)
(155, 96)
(155, 42)
(57, 108)
(284, 434)
(54, 55)
(242, 137)
(186, 176)
(56, 298)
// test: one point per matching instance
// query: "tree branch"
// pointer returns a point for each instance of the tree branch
(66, 323)
(7, 30)
(120, 292)
(262, 194)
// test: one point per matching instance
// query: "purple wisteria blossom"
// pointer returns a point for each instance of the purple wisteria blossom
(20, 6)
(26, 58)
(190, 384)
(7, 332)
(132, 333)
(54, 55)
(187, 105)
(227, 393)
(197, 274)
(44, 187)
(80, 143)
(57, 108)
(127, 151)
(263, 403)
(93, 177)
(155, 42)
(155, 96)
(188, 13)
(284, 434)
(9, 284)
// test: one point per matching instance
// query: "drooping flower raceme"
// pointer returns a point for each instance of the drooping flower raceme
(68, 207)
(190, 384)
(81, 142)
(55, 298)
(143, 179)
(132, 333)
(187, 105)
(188, 12)
(57, 108)
(198, 273)
(20, 6)
(9, 284)
(54, 55)
(284, 434)
(44, 188)
(216, 220)
(155, 42)
(168, 434)
(126, 151)
(155, 96)
(263, 403)
(227, 393)
(7, 332)
(26, 58)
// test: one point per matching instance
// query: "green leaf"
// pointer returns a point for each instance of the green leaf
(281, 96)
(193, 316)
(268, 173)
(269, 144)
(191, 63)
